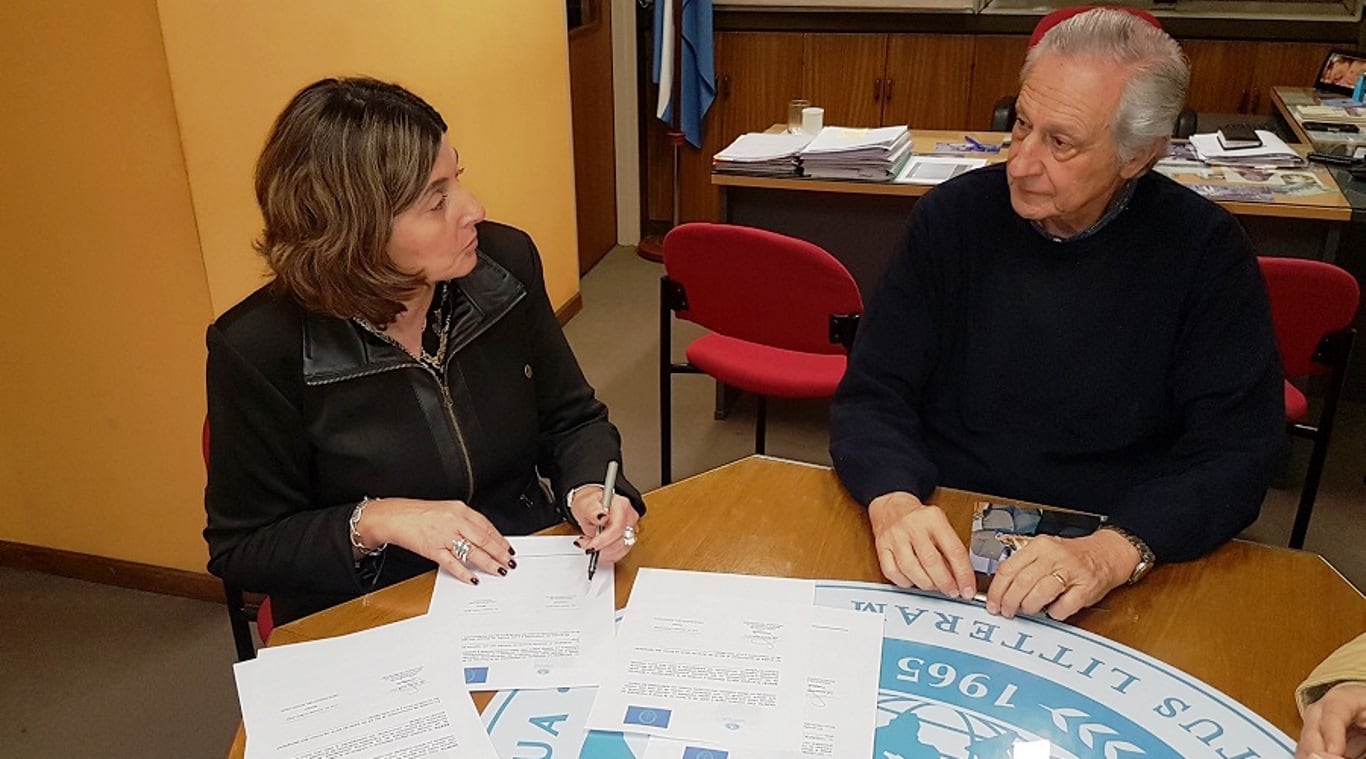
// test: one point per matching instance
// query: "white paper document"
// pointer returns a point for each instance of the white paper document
(760, 146)
(710, 668)
(393, 691)
(840, 714)
(935, 169)
(544, 625)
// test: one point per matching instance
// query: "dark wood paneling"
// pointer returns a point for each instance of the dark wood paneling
(1284, 63)
(931, 77)
(845, 75)
(996, 62)
(1221, 75)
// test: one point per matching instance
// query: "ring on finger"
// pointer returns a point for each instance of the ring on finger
(1057, 575)
(628, 536)
(461, 549)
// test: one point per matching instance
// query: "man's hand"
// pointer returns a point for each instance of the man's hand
(1335, 725)
(917, 546)
(1062, 575)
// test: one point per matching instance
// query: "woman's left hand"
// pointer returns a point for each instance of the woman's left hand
(618, 523)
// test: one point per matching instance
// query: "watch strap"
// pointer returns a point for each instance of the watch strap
(1146, 559)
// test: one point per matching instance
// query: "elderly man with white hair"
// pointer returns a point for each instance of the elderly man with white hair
(1069, 328)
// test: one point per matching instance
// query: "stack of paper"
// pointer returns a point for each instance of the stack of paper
(390, 691)
(867, 154)
(1333, 114)
(1272, 153)
(762, 154)
(716, 665)
(401, 690)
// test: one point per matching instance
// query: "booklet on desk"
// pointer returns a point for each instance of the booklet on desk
(1273, 152)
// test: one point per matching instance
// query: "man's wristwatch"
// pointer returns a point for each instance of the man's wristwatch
(1146, 560)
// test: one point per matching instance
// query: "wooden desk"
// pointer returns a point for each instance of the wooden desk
(862, 223)
(1251, 620)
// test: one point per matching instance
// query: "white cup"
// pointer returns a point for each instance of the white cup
(813, 119)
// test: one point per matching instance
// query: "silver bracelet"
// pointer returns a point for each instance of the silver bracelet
(355, 529)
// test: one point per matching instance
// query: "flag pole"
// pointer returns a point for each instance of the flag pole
(652, 247)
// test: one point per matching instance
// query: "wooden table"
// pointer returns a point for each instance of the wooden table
(862, 223)
(1251, 620)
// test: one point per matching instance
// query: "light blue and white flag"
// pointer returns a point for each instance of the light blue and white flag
(697, 80)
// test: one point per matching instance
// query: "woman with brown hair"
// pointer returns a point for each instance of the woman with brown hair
(397, 396)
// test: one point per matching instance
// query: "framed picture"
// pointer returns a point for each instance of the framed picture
(1340, 70)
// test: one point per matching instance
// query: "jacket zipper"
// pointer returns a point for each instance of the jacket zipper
(449, 404)
(446, 403)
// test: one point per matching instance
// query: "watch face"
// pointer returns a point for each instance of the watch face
(1144, 564)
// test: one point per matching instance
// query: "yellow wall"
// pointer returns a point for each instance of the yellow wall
(126, 149)
(102, 293)
(497, 71)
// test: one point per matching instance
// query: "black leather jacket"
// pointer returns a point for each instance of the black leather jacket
(310, 413)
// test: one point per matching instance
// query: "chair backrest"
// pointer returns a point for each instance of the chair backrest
(1309, 299)
(1062, 14)
(759, 286)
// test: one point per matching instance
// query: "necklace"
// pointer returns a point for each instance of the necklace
(439, 324)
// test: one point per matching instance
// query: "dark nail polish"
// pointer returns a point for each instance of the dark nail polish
(590, 552)
(512, 563)
(474, 580)
(512, 551)
(502, 571)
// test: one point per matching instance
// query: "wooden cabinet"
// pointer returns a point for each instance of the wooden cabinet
(928, 80)
(886, 79)
(996, 63)
(844, 74)
(1237, 76)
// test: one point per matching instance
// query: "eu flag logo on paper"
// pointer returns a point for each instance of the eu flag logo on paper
(644, 715)
(476, 675)
(693, 752)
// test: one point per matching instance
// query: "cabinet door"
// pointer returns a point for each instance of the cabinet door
(1284, 64)
(845, 76)
(757, 73)
(996, 62)
(928, 81)
(1221, 75)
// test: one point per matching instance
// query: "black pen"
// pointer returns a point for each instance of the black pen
(609, 485)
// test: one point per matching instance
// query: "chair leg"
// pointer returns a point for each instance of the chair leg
(237, 621)
(1338, 348)
(760, 424)
(665, 388)
(1308, 493)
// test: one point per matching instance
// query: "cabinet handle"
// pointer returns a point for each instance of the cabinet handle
(724, 89)
(1256, 100)
(1242, 102)
(877, 90)
(887, 91)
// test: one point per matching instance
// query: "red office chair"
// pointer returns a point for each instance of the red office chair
(1312, 308)
(242, 609)
(1003, 113)
(782, 314)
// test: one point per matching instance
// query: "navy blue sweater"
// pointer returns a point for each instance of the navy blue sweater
(1132, 373)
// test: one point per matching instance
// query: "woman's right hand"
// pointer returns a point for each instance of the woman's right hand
(435, 529)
